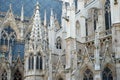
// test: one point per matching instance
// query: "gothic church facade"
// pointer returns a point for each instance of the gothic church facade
(85, 46)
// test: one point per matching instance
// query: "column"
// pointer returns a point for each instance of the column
(50, 66)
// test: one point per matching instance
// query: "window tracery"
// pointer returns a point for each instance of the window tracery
(107, 74)
(8, 36)
(17, 75)
(4, 75)
(88, 75)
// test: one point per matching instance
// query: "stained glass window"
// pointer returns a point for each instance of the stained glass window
(107, 74)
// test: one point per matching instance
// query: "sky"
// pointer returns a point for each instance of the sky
(29, 6)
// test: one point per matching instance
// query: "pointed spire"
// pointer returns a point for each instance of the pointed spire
(36, 36)
(22, 14)
(37, 6)
(51, 12)
(10, 7)
(51, 18)
(55, 16)
(45, 21)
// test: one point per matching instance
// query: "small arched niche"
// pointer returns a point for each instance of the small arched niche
(78, 28)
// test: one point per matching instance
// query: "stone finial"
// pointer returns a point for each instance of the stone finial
(22, 13)
(45, 19)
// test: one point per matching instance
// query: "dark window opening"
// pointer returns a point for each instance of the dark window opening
(107, 74)
(4, 75)
(88, 75)
(17, 75)
(107, 15)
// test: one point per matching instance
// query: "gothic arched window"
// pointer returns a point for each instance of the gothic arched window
(17, 75)
(59, 43)
(88, 75)
(39, 62)
(4, 75)
(31, 62)
(8, 36)
(107, 74)
(107, 15)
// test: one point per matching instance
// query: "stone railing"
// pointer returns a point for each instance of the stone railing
(102, 34)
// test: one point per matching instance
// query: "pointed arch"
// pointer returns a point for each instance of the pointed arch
(88, 74)
(8, 36)
(59, 43)
(17, 75)
(13, 25)
(86, 68)
(108, 72)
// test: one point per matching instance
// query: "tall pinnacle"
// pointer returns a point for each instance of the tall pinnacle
(36, 36)
(51, 18)
(45, 21)
(22, 14)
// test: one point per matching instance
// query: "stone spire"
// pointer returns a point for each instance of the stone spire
(45, 19)
(22, 14)
(36, 36)
(51, 18)
(9, 13)
(10, 9)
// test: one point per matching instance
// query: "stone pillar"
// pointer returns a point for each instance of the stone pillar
(43, 63)
(50, 66)
(116, 47)
(97, 75)
(68, 75)
(74, 65)
(9, 74)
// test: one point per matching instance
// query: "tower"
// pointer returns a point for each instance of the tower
(34, 57)
(115, 19)
(51, 32)
(70, 38)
